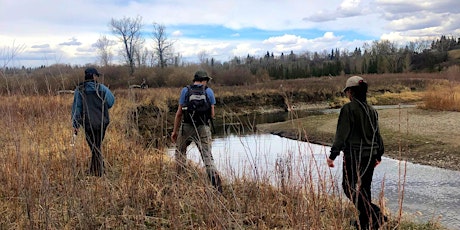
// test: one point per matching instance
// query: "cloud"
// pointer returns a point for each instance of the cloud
(285, 39)
(417, 21)
(73, 42)
(320, 16)
(40, 46)
(177, 33)
(350, 8)
(227, 28)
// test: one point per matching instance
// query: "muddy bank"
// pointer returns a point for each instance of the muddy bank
(411, 134)
(155, 123)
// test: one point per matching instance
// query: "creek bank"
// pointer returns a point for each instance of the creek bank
(410, 134)
(154, 123)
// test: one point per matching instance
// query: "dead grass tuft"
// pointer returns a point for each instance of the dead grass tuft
(443, 95)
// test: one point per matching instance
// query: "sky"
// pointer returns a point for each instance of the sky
(47, 32)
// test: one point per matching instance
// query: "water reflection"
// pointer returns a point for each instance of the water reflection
(431, 192)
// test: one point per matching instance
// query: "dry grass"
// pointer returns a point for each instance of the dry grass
(443, 96)
(45, 185)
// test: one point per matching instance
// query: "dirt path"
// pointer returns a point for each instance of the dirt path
(415, 135)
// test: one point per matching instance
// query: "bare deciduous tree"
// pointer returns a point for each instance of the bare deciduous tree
(129, 32)
(105, 54)
(163, 46)
(7, 55)
(203, 56)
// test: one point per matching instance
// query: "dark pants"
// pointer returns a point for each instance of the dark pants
(357, 180)
(94, 138)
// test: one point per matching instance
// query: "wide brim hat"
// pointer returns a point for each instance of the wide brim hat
(353, 81)
(201, 75)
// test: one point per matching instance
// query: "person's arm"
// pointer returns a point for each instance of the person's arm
(178, 117)
(341, 135)
(381, 149)
(213, 114)
(76, 110)
(212, 100)
(109, 98)
(177, 121)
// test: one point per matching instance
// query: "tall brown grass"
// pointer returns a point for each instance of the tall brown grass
(444, 94)
(45, 184)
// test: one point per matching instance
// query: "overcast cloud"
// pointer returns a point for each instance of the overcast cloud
(56, 31)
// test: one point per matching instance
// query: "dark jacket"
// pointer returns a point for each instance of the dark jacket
(91, 103)
(358, 131)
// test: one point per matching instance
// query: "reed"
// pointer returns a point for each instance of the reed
(45, 185)
(443, 95)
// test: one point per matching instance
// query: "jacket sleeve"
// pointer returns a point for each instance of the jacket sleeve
(76, 109)
(381, 149)
(109, 98)
(342, 133)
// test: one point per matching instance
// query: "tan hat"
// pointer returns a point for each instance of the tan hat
(353, 81)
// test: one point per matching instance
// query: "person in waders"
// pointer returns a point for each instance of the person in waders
(192, 124)
(358, 137)
(90, 109)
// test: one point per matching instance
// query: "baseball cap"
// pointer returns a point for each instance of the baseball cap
(353, 81)
(91, 71)
(201, 75)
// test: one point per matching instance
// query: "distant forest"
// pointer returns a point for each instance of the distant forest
(377, 58)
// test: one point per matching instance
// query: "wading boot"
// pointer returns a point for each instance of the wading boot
(216, 182)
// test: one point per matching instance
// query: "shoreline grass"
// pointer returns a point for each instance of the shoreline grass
(45, 186)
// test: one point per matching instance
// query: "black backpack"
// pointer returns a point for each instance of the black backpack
(197, 108)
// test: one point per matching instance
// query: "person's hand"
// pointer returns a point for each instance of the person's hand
(377, 162)
(173, 137)
(330, 162)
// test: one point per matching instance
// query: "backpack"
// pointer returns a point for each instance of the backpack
(197, 108)
(94, 108)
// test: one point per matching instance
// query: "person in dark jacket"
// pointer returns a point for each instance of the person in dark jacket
(90, 109)
(358, 137)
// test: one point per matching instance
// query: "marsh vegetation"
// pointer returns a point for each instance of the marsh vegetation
(45, 185)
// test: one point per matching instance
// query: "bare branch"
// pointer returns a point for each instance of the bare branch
(163, 46)
(128, 30)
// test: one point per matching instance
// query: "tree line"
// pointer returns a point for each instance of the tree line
(140, 58)
(376, 58)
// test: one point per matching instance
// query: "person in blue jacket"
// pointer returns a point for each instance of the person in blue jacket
(195, 126)
(90, 109)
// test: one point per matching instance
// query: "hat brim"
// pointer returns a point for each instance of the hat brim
(202, 78)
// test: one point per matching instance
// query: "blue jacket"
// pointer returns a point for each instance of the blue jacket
(91, 103)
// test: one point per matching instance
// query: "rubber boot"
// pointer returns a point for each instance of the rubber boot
(216, 182)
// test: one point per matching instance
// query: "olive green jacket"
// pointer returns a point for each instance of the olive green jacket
(358, 130)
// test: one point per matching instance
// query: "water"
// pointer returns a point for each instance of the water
(429, 193)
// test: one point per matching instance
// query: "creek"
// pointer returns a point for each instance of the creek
(426, 193)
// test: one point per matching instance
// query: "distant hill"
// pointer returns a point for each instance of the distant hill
(453, 58)
(454, 54)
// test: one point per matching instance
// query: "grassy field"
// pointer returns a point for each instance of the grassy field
(45, 185)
